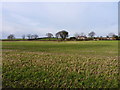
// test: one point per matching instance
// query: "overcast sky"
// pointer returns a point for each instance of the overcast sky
(20, 18)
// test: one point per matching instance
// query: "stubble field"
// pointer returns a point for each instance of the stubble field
(67, 64)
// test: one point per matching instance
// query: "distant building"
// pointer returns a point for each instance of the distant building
(82, 37)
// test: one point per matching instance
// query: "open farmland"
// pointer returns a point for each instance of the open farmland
(76, 64)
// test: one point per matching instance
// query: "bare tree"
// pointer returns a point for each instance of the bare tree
(91, 34)
(76, 35)
(23, 36)
(29, 36)
(57, 35)
(49, 35)
(11, 36)
(35, 36)
(32, 37)
(63, 34)
(82, 34)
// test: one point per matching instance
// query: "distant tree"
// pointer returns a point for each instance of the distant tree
(107, 36)
(72, 38)
(111, 34)
(91, 34)
(82, 34)
(49, 35)
(63, 34)
(32, 37)
(11, 36)
(57, 35)
(76, 35)
(116, 37)
(29, 36)
(23, 36)
(35, 36)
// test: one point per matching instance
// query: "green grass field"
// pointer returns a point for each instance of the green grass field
(67, 64)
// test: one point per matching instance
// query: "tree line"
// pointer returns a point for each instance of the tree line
(61, 34)
(64, 34)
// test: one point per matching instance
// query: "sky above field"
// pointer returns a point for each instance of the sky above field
(20, 18)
